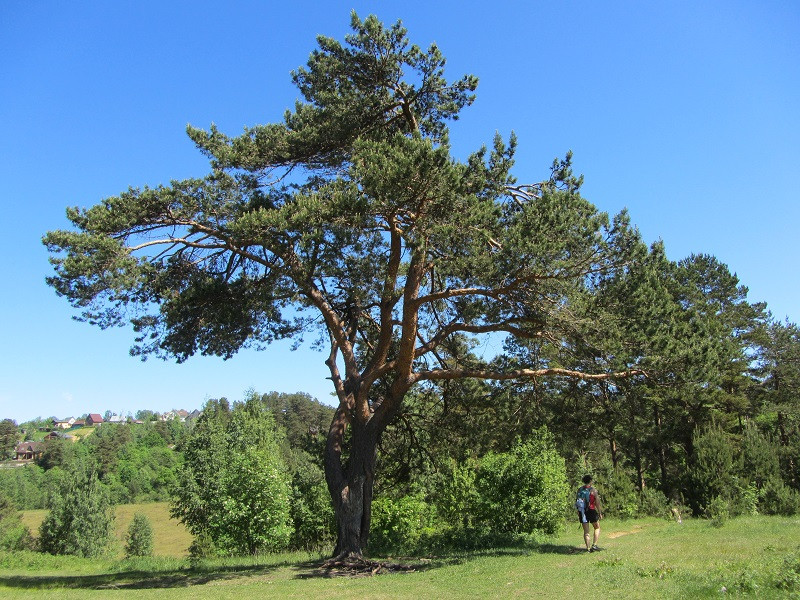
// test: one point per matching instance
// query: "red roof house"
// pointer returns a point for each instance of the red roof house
(94, 419)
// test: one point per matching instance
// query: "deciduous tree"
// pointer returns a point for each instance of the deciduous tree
(81, 519)
(139, 539)
(233, 488)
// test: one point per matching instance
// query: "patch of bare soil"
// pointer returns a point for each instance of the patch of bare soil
(617, 534)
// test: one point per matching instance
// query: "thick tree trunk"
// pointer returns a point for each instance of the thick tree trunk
(350, 482)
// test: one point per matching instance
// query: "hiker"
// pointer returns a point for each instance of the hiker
(590, 510)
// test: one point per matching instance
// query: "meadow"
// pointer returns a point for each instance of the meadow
(747, 557)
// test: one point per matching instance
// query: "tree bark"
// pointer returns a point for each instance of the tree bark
(784, 437)
(350, 482)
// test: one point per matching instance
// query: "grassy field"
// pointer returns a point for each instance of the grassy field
(748, 557)
(170, 538)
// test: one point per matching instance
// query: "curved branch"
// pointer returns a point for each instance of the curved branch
(452, 328)
(444, 375)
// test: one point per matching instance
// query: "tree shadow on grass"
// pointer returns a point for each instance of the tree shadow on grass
(323, 570)
(133, 579)
(383, 566)
(558, 549)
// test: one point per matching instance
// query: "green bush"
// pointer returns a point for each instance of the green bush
(14, 535)
(202, 546)
(788, 577)
(524, 490)
(455, 495)
(233, 486)
(139, 540)
(760, 457)
(619, 495)
(400, 525)
(81, 519)
(653, 503)
(776, 498)
(748, 500)
(718, 511)
(712, 471)
(311, 507)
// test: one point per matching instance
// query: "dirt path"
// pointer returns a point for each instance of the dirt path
(616, 534)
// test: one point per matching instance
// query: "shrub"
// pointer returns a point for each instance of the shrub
(455, 495)
(524, 490)
(400, 525)
(619, 497)
(311, 508)
(712, 470)
(718, 511)
(776, 498)
(760, 457)
(788, 576)
(139, 541)
(81, 520)
(233, 486)
(653, 503)
(202, 546)
(14, 535)
(748, 500)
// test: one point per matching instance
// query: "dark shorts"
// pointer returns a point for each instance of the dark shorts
(590, 515)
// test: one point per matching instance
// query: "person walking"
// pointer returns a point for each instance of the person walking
(590, 511)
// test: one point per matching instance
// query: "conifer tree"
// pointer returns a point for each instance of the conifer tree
(351, 220)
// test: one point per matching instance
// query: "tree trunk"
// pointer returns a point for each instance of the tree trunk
(784, 437)
(613, 447)
(666, 484)
(350, 482)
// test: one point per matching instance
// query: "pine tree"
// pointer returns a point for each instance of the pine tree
(352, 221)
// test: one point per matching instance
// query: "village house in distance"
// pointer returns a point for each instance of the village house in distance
(30, 450)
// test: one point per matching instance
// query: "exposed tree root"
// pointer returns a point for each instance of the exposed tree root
(350, 564)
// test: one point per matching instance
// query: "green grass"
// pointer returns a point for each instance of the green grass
(170, 538)
(81, 432)
(640, 559)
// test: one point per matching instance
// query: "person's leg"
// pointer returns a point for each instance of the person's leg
(586, 535)
(596, 537)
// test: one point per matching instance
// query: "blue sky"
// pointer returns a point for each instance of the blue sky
(686, 113)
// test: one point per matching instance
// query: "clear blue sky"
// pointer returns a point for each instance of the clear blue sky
(687, 113)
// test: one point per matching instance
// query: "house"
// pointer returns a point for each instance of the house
(94, 419)
(175, 414)
(116, 419)
(79, 423)
(58, 435)
(28, 450)
(63, 424)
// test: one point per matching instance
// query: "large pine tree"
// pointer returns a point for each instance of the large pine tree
(351, 218)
